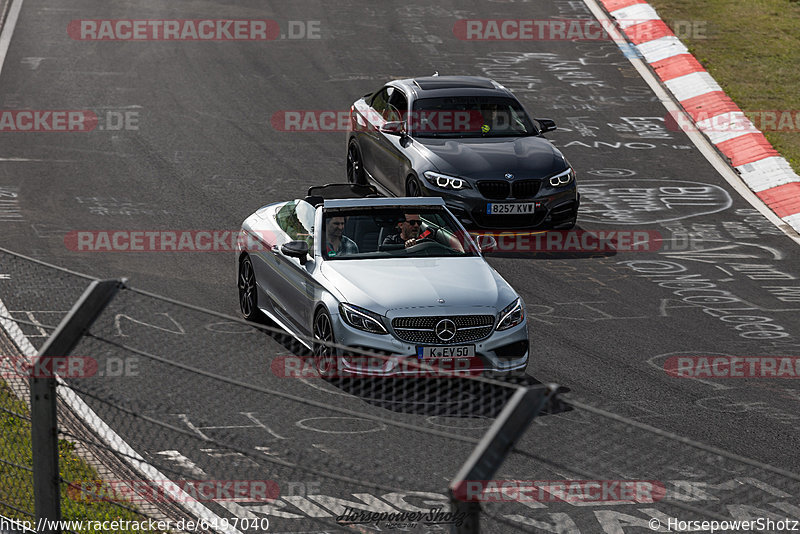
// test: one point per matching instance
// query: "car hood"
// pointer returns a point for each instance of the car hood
(381, 285)
(524, 157)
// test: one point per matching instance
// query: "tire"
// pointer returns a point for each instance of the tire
(355, 166)
(325, 357)
(248, 291)
(412, 187)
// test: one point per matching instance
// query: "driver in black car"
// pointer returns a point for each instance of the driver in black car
(408, 232)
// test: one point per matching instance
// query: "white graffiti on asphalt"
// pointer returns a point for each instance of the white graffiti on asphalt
(619, 201)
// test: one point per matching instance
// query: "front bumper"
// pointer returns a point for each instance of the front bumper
(559, 206)
(502, 352)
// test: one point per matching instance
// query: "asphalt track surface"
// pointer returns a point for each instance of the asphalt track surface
(205, 156)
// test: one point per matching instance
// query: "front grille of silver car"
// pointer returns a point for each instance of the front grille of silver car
(469, 328)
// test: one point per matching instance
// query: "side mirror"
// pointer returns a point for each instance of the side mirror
(486, 242)
(546, 125)
(296, 249)
(394, 128)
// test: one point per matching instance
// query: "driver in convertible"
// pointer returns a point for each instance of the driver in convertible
(408, 232)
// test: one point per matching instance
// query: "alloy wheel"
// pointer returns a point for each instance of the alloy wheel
(412, 188)
(324, 354)
(247, 289)
(355, 173)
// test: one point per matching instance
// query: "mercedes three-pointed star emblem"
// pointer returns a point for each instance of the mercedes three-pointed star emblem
(445, 330)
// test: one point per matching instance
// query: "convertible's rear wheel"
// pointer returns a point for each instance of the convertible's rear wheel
(324, 354)
(355, 170)
(248, 295)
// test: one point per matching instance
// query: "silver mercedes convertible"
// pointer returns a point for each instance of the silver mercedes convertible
(394, 276)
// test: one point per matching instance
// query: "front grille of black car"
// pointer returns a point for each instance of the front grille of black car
(494, 189)
(499, 190)
(525, 188)
(421, 329)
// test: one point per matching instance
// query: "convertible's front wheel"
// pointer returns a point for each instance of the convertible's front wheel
(248, 295)
(324, 354)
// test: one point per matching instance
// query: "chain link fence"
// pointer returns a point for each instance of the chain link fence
(172, 412)
(40, 297)
(605, 473)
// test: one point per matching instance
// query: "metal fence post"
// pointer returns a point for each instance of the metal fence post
(44, 420)
(523, 406)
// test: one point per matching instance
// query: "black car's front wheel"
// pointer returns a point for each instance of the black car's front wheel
(412, 187)
(325, 357)
(248, 294)
(355, 169)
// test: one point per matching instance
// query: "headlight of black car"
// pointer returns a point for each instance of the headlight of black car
(562, 179)
(362, 319)
(446, 182)
(511, 316)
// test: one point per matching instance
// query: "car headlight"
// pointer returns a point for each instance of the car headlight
(511, 316)
(446, 182)
(563, 178)
(362, 319)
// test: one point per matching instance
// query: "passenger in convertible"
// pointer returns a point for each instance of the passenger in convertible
(337, 243)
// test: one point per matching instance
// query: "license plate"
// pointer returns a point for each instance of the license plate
(508, 208)
(461, 351)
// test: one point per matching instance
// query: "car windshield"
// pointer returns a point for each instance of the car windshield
(360, 233)
(469, 116)
(296, 219)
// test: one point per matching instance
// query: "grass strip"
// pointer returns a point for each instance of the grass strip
(752, 49)
(16, 489)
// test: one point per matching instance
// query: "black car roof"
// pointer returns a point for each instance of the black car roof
(439, 86)
(453, 82)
